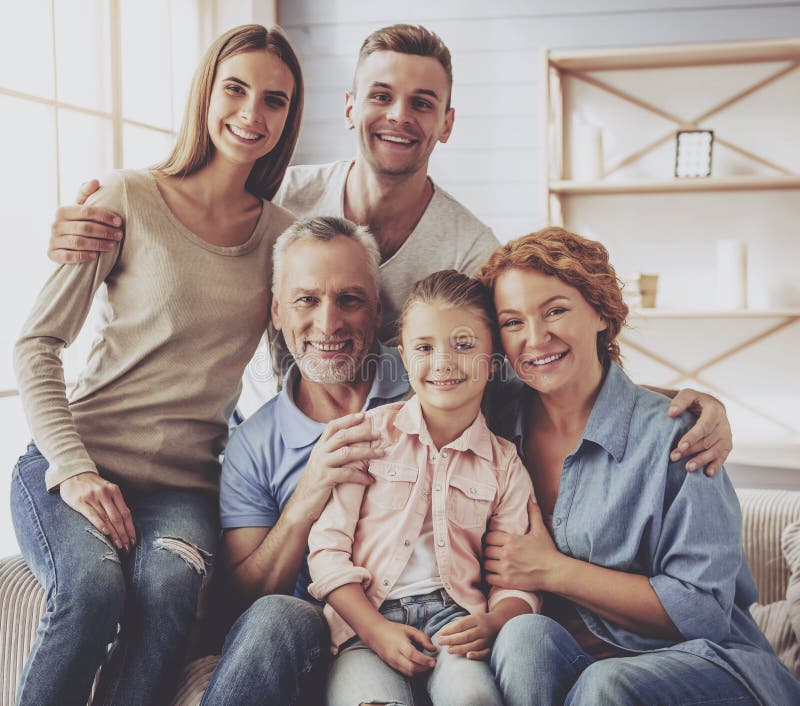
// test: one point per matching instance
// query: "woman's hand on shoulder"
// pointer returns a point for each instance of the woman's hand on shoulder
(708, 443)
(527, 562)
(100, 502)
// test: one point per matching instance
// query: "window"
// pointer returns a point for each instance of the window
(86, 86)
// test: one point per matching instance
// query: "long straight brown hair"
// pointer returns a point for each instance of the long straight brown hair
(193, 148)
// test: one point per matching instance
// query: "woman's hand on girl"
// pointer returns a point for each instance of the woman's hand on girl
(100, 502)
(527, 562)
(398, 646)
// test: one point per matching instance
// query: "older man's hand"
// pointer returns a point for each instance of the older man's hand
(341, 455)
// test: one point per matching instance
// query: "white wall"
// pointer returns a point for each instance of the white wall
(491, 160)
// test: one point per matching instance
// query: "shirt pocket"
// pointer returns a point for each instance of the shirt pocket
(393, 484)
(469, 501)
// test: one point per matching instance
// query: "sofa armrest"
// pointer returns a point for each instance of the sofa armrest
(22, 603)
(765, 514)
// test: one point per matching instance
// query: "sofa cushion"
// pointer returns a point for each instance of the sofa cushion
(780, 621)
(790, 544)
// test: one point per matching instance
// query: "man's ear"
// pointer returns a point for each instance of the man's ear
(449, 118)
(349, 99)
(275, 312)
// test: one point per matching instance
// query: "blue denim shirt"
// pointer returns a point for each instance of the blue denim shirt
(622, 504)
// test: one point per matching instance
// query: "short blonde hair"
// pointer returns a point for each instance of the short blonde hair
(408, 39)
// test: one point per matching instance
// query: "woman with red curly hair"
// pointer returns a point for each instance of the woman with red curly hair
(641, 564)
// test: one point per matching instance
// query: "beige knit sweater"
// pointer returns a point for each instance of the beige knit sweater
(179, 321)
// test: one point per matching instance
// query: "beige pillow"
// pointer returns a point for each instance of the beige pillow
(780, 621)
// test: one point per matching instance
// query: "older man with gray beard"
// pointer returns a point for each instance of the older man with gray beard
(275, 482)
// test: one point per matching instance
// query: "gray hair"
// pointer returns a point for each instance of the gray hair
(324, 228)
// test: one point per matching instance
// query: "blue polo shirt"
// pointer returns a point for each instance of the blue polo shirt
(624, 505)
(267, 452)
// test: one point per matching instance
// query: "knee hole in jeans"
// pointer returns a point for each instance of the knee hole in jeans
(191, 554)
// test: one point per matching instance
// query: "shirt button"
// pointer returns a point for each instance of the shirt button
(406, 543)
(440, 542)
(444, 454)
(433, 458)
(425, 493)
(438, 488)
(385, 582)
(472, 491)
(393, 473)
(557, 521)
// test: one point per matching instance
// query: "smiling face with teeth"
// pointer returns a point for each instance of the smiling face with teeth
(447, 352)
(549, 332)
(248, 106)
(326, 305)
(399, 109)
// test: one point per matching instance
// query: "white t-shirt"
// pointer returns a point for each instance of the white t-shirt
(421, 574)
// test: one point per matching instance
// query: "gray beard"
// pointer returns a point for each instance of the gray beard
(327, 372)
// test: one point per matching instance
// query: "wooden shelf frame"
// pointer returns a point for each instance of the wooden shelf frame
(786, 318)
(578, 65)
(656, 313)
(677, 56)
(654, 186)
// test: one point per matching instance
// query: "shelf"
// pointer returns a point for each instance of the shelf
(715, 313)
(760, 183)
(687, 55)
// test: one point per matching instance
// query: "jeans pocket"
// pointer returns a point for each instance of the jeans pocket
(30, 458)
(469, 501)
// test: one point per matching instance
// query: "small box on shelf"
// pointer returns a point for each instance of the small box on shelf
(639, 290)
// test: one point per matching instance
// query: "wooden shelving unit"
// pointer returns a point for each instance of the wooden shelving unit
(560, 65)
(618, 180)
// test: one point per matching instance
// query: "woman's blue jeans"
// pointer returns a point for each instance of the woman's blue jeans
(358, 675)
(91, 589)
(537, 662)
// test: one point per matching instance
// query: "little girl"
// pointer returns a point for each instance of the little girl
(399, 562)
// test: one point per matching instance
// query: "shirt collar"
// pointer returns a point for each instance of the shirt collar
(608, 424)
(610, 420)
(475, 438)
(299, 431)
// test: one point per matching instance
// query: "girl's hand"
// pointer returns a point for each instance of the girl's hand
(527, 562)
(102, 504)
(472, 635)
(398, 646)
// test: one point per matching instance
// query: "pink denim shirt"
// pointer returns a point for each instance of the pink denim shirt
(367, 534)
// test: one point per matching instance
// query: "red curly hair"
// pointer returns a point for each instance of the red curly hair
(580, 263)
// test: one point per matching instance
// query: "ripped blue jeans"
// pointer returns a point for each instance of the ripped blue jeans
(91, 589)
